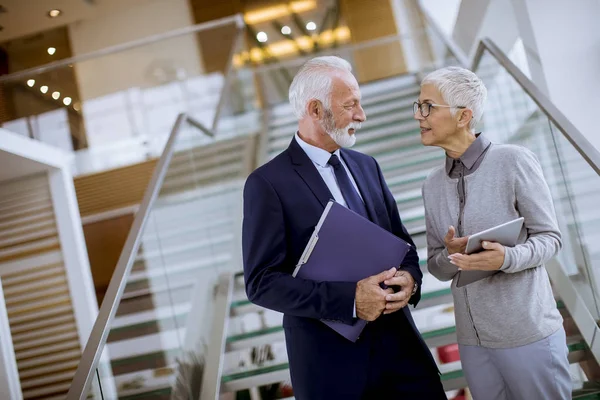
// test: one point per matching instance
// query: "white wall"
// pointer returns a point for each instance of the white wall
(478, 19)
(145, 66)
(562, 43)
(444, 12)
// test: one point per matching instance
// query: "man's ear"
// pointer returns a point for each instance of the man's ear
(315, 109)
(464, 117)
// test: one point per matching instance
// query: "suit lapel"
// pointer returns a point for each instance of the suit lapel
(309, 174)
(361, 182)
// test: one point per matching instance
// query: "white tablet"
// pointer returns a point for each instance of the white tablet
(505, 234)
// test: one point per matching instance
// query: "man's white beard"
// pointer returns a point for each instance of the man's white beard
(340, 135)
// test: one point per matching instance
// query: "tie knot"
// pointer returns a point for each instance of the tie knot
(334, 161)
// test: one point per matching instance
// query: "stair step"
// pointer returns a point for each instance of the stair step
(63, 376)
(52, 359)
(48, 369)
(52, 349)
(46, 391)
(47, 339)
(58, 279)
(42, 320)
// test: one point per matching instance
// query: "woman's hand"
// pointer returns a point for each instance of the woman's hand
(490, 259)
(455, 244)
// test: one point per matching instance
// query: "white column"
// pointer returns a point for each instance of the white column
(10, 384)
(74, 250)
(77, 268)
(562, 43)
(412, 31)
(478, 19)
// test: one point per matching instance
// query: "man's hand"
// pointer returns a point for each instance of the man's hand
(490, 259)
(400, 299)
(370, 297)
(455, 244)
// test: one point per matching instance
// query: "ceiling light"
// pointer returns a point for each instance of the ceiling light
(54, 13)
(311, 26)
(51, 50)
(30, 82)
(76, 106)
(262, 37)
(286, 30)
(44, 89)
(274, 12)
(56, 95)
(67, 101)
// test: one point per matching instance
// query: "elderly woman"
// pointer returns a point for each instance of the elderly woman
(510, 334)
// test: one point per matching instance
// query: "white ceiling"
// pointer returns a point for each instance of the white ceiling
(13, 166)
(27, 17)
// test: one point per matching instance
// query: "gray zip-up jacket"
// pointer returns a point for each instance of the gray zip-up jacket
(516, 306)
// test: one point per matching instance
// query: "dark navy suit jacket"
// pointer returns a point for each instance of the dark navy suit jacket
(283, 201)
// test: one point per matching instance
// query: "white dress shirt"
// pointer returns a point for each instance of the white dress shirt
(320, 159)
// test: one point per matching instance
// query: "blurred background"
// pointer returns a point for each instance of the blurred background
(129, 127)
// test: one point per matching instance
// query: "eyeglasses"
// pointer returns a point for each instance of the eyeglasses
(425, 108)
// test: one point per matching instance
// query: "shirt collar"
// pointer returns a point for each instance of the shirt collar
(317, 155)
(472, 154)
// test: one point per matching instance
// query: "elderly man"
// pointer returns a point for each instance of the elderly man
(511, 340)
(283, 201)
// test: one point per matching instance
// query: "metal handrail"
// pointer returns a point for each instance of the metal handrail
(90, 358)
(562, 123)
(237, 19)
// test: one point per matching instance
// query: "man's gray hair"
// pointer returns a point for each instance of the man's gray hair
(314, 81)
(459, 87)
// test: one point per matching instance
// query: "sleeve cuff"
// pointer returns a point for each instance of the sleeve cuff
(443, 260)
(507, 257)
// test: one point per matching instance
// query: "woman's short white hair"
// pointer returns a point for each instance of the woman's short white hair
(459, 87)
(313, 82)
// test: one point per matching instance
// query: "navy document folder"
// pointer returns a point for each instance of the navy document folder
(345, 247)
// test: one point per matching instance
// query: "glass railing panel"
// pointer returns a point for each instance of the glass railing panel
(372, 60)
(158, 339)
(116, 107)
(580, 194)
(512, 116)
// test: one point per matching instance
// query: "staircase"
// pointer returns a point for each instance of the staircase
(36, 290)
(189, 239)
(392, 136)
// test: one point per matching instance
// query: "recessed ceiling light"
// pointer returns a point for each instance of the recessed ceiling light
(51, 50)
(30, 82)
(262, 37)
(44, 89)
(286, 30)
(56, 95)
(311, 26)
(67, 101)
(54, 13)
(76, 106)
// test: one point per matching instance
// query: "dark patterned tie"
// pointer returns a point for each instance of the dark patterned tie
(350, 194)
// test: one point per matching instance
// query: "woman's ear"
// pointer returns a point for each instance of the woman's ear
(464, 117)
(315, 109)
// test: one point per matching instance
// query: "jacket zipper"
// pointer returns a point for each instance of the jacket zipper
(471, 318)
